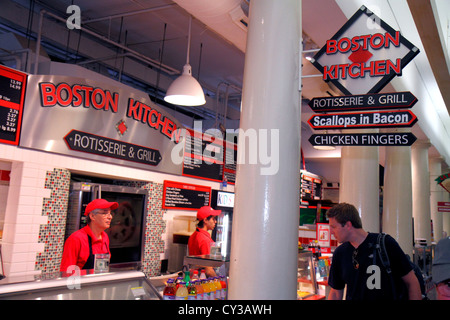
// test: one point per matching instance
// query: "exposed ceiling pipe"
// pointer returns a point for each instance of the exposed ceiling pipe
(127, 14)
(169, 70)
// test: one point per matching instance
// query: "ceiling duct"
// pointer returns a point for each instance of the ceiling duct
(221, 16)
(240, 18)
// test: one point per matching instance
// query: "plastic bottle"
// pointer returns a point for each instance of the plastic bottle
(192, 291)
(187, 276)
(218, 287)
(195, 275)
(182, 292)
(200, 290)
(202, 274)
(212, 289)
(206, 290)
(169, 290)
(177, 283)
(223, 282)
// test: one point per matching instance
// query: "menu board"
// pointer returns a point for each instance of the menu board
(229, 167)
(208, 157)
(12, 95)
(310, 188)
(184, 196)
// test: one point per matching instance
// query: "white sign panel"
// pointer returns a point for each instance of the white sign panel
(323, 235)
(364, 55)
(98, 121)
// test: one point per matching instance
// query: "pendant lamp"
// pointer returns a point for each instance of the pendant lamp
(185, 90)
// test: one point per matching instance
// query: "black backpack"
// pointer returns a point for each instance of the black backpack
(380, 250)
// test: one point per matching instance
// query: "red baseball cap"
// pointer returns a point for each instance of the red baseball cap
(206, 211)
(100, 204)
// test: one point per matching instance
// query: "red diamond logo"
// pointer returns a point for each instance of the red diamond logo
(121, 127)
(360, 55)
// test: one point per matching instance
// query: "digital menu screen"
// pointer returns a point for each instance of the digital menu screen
(12, 95)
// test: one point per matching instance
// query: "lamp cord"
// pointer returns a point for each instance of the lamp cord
(189, 40)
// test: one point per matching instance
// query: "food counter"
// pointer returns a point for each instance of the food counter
(208, 260)
(120, 285)
(307, 277)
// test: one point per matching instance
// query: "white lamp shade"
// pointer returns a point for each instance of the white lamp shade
(185, 90)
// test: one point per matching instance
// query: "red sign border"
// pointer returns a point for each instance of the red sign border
(180, 185)
(360, 126)
(8, 72)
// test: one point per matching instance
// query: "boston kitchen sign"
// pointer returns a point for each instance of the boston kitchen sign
(360, 60)
(364, 55)
(107, 121)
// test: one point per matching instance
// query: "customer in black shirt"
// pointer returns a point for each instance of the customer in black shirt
(353, 262)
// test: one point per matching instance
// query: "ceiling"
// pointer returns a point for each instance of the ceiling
(155, 34)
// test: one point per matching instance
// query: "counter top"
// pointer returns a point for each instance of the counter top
(209, 257)
(58, 279)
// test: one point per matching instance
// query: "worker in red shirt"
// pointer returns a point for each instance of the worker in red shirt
(82, 245)
(200, 241)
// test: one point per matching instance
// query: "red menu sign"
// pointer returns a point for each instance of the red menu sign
(185, 196)
(12, 95)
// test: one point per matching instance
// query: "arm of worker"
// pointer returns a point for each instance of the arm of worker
(209, 271)
(335, 294)
(70, 255)
(413, 286)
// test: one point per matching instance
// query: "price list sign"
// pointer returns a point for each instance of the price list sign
(184, 196)
(12, 95)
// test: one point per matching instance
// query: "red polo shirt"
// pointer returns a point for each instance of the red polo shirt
(76, 248)
(199, 242)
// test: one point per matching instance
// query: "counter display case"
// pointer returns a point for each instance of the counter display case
(307, 286)
(207, 260)
(123, 285)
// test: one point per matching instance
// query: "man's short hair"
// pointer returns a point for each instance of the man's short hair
(344, 212)
(88, 217)
(201, 223)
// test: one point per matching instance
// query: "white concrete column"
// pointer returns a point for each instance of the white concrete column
(359, 183)
(263, 262)
(421, 190)
(397, 197)
(436, 195)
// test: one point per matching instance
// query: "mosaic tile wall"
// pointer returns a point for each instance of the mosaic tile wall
(55, 207)
(155, 227)
(52, 233)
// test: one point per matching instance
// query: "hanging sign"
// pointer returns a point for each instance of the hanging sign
(364, 55)
(363, 139)
(444, 181)
(12, 95)
(382, 119)
(378, 101)
(443, 206)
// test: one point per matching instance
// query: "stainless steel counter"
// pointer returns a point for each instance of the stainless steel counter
(121, 285)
